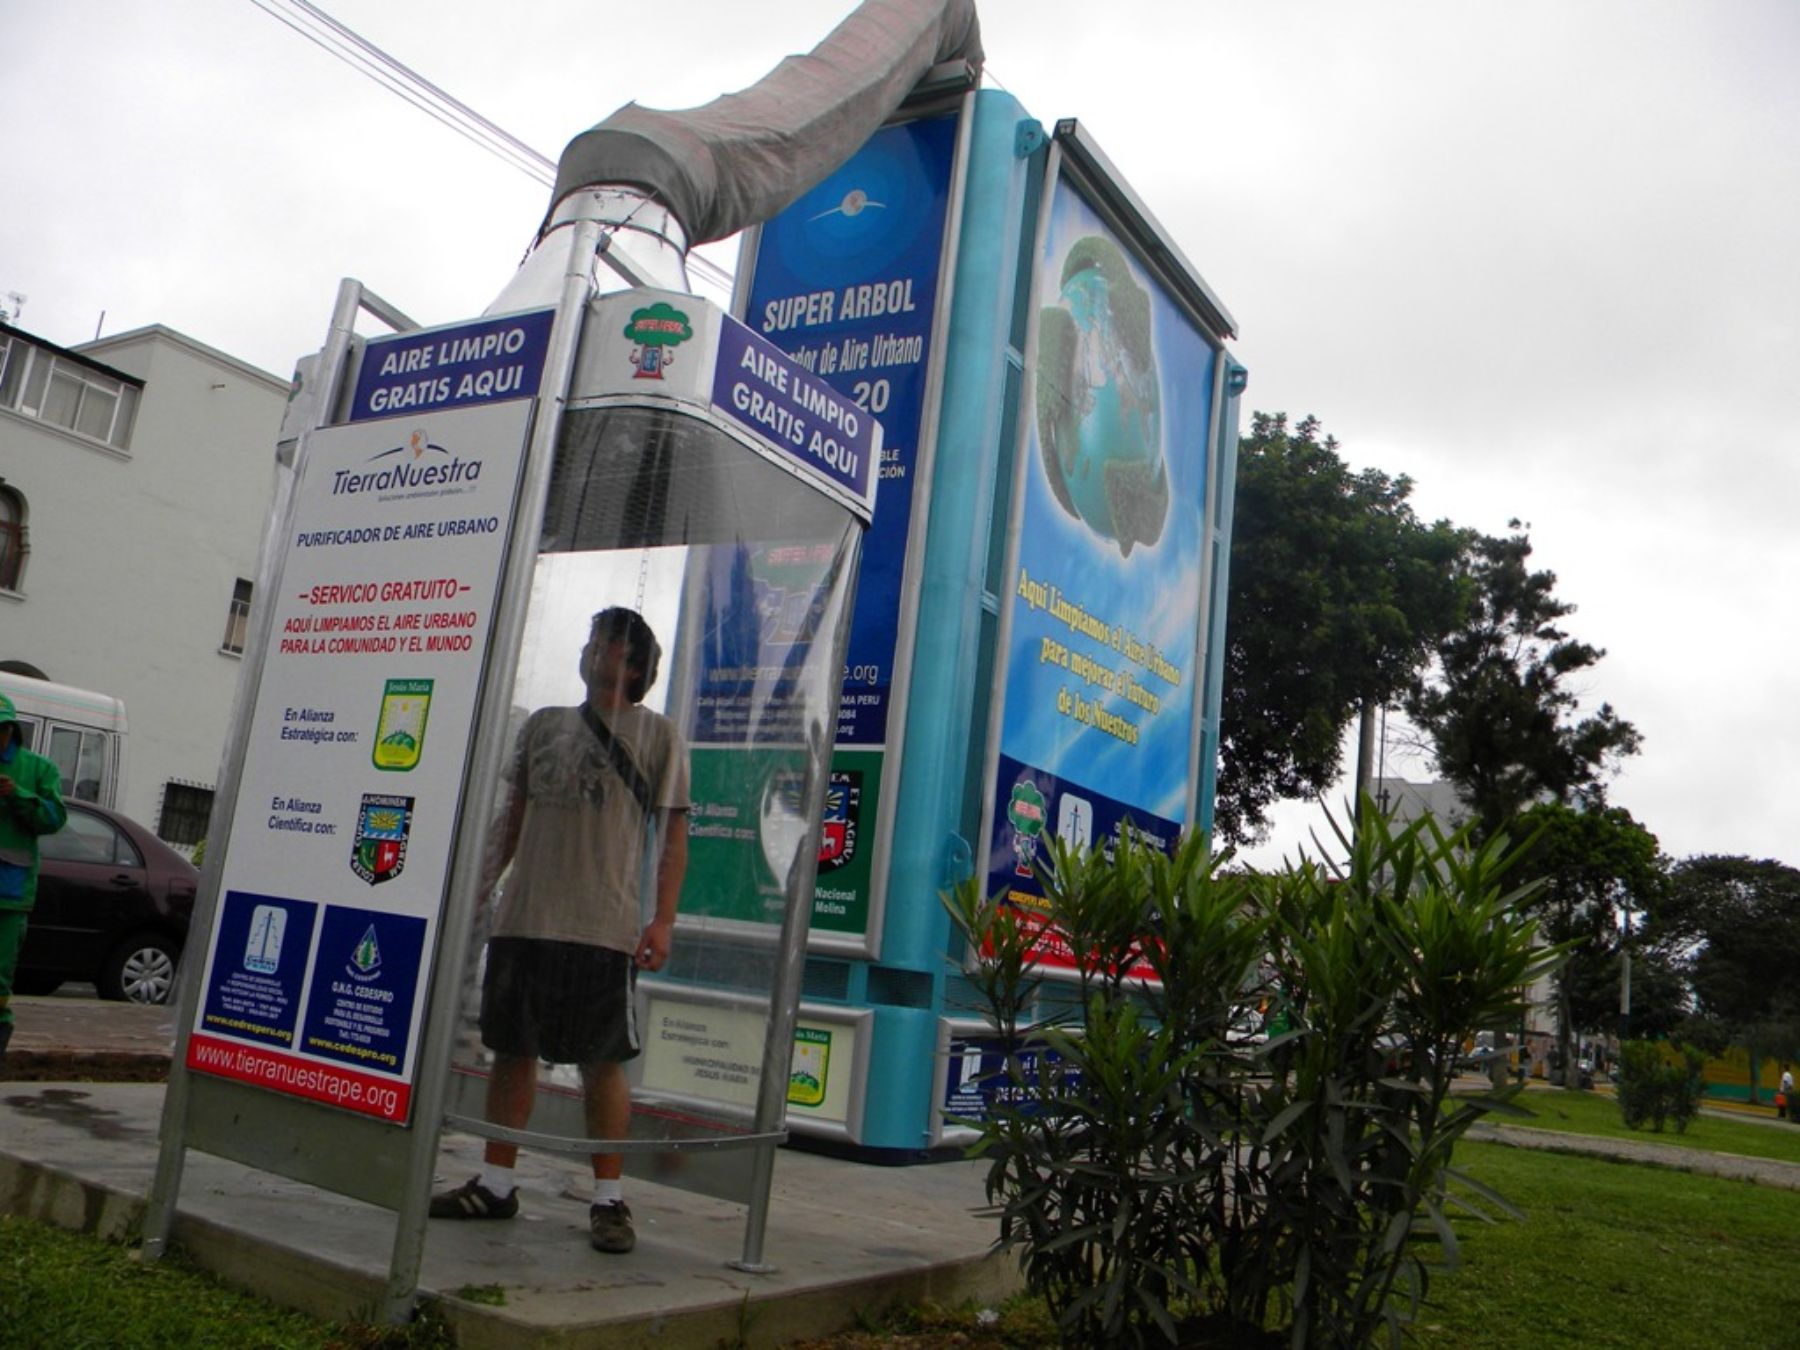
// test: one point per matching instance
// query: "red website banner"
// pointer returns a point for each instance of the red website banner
(1050, 944)
(360, 1092)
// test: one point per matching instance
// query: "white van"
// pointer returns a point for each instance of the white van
(82, 732)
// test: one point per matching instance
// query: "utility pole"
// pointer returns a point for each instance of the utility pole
(1625, 975)
(1365, 757)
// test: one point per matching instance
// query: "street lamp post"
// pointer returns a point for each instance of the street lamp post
(1625, 976)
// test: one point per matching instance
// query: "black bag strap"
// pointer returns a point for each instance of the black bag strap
(621, 759)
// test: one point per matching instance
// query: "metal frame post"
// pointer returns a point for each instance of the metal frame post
(165, 1186)
(484, 772)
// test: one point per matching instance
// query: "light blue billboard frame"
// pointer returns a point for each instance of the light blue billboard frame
(907, 977)
(952, 700)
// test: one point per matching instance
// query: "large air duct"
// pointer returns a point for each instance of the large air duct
(660, 181)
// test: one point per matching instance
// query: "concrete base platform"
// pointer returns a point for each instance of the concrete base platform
(845, 1238)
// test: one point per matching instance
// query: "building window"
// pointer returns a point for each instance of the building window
(237, 618)
(61, 390)
(12, 539)
(80, 757)
(186, 809)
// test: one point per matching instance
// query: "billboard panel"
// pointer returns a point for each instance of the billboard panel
(846, 281)
(1099, 678)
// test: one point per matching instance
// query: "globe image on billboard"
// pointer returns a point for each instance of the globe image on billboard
(1098, 406)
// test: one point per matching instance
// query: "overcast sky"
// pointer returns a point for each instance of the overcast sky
(1540, 256)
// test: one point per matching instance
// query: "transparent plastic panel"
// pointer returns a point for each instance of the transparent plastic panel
(702, 788)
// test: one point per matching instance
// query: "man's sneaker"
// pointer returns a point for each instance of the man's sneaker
(472, 1200)
(609, 1226)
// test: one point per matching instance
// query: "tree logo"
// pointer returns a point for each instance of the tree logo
(1027, 814)
(655, 330)
(365, 957)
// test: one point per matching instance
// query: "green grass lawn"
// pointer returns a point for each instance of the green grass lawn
(1593, 1113)
(1616, 1254)
(69, 1291)
(1608, 1254)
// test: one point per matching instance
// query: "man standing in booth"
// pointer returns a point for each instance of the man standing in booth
(590, 789)
(30, 805)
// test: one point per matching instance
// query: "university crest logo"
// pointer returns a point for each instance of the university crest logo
(843, 811)
(382, 826)
(400, 726)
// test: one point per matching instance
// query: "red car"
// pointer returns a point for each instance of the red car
(113, 906)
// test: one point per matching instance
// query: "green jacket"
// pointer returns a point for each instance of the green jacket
(35, 808)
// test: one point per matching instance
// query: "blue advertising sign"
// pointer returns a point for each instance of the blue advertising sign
(360, 1001)
(977, 1078)
(846, 282)
(754, 383)
(488, 361)
(760, 609)
(1101, 674)
(262, 944)
(1040, 804)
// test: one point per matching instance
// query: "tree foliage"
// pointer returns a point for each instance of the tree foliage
(1591, 865)
(1502, 714)
(1338, 595)
(1659, 1083)
(1170, 1177)
(1733, 925)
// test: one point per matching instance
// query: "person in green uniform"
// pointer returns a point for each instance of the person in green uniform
(30, 806)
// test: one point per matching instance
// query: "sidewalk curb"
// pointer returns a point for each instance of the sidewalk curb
(1671, 1157)
(83, 1066)
(845, 1241)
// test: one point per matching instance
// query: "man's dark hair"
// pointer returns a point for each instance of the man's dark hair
(643, 653)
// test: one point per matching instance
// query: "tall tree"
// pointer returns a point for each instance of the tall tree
(1338, 595)
(1734, 923)
(1500, 714)
(1593, 865)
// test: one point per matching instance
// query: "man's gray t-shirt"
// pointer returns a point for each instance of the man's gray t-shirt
(576, 869)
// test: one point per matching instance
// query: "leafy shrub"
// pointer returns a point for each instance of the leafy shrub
(1653, 1088)
(1163, 1169)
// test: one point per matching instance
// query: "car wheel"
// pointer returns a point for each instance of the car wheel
(33, 985)
(141, 969)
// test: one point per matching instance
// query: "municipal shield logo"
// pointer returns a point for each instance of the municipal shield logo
(843, 809)
(400, 726)
(382, 826)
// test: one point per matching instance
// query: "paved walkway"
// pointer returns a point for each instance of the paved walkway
(79, 1118)
(844, 1238)
(71, 1038)
(1678, 1157)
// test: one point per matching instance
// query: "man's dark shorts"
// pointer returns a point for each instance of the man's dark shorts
(562, 1002)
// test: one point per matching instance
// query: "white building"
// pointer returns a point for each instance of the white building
(135, 478)
(1406, 802)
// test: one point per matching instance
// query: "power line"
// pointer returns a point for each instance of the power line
(397, 78)
(400, 79)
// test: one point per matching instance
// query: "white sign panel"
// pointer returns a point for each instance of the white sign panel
(346, 814)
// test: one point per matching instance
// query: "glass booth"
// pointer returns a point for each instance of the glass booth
(744, 569)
